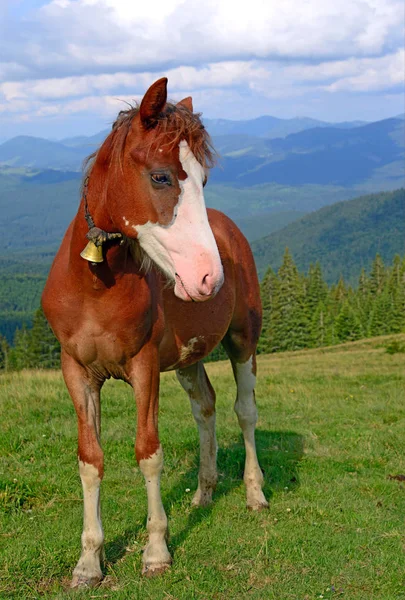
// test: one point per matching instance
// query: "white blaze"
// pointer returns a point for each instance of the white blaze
(187, 243)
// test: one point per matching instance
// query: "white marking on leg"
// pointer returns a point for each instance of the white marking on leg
(88, 570)
(193, 381)
(245, 408)
(156, 555)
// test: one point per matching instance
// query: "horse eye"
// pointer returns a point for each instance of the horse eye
(160, 178)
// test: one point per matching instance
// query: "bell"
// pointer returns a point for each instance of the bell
(92, 253)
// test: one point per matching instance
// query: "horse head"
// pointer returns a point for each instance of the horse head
(162, 154)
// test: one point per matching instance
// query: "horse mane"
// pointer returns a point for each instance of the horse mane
(174, 123)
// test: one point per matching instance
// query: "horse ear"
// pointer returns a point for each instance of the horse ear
(187, 103)
(153, 102)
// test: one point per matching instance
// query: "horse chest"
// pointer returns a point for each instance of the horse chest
(104, 328)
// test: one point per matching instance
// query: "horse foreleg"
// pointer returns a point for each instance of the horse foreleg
(149, 454)
(85, 393)
(246, 410)
(195, 382)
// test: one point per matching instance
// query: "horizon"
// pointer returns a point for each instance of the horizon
(89, 134)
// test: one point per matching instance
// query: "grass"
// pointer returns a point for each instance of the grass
(330, 435)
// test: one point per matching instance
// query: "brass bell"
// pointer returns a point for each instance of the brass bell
(92, 253)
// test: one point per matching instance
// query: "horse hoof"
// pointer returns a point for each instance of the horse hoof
(155, 569)
(256, 506)
(83, 581)
(202, 498)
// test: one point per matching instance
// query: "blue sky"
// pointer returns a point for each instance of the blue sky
(67, 65)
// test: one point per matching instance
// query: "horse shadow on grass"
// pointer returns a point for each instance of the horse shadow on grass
(279, 453)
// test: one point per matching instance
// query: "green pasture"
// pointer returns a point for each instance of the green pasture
(331, 442)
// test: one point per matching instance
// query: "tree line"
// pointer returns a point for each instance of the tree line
(302, 311)
(299, 311)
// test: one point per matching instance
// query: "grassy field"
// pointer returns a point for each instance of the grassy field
(331, 436)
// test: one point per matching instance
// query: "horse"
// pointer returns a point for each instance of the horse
(172, 282)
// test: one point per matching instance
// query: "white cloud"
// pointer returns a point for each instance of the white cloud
(223, 74)
(76, 57)
(353, 75)
(72, 37)
(378, 74)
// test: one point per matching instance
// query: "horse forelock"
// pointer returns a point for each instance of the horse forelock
(174, 124)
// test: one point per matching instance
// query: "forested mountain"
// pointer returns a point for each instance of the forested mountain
(27, 151)
(343, 237)
(37, 206)
(320, 156)
(368, 155)
(33, 215)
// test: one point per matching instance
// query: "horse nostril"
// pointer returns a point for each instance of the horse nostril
(207, 284)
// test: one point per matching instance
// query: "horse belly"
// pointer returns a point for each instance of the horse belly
(193, 329)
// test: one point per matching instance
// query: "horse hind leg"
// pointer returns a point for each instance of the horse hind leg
(244, 369)
(195, 382)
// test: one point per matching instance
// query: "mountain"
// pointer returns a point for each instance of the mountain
(35, 152)
(345, 157)
(368, 155)
(37, 206)
(91, 141)
(269, 127)
(36, 214)
(344, 237)
(257, 226)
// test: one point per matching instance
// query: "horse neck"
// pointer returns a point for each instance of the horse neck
(97, 200)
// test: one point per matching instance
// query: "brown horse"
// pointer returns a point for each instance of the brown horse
(174, 283)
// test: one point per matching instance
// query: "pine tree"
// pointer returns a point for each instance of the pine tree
(362, 301)
(347, 324)
(36, 348)
(316, 288)
(43, 347)
(377, 276)
(268, 292)
(289, 324)
(320, 329)
(18, 355)
(381, 316)
(338, 295)
(4, 350)
(396, 291)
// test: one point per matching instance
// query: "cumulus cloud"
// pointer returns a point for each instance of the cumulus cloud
(66, 57)
(71, 37)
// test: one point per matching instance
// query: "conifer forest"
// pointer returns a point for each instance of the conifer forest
(299, 311)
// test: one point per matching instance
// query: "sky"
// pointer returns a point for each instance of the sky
(68, 66)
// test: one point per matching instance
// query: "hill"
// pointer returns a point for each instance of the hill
(343, 237)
